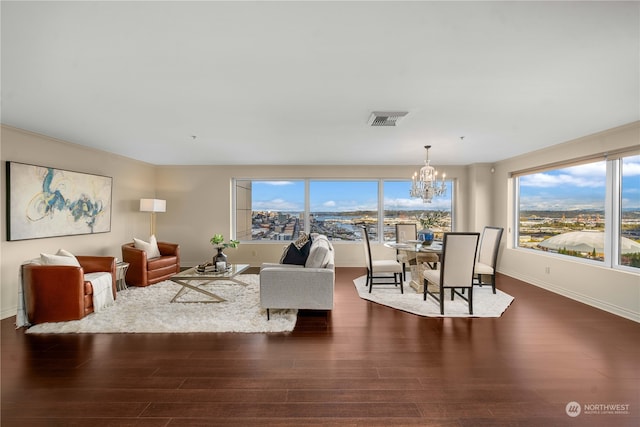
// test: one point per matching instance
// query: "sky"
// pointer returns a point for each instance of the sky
(577, 187)
(339, 196)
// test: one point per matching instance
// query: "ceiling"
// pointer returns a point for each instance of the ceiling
(277, 83)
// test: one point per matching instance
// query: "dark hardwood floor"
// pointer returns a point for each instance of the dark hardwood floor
(364, 365)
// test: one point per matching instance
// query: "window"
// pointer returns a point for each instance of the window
(339, 208)
(400, 208)
(568, 211)
(267, 210)
(629, 236)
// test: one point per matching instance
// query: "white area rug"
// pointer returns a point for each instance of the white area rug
(485, 303)
(140, 310)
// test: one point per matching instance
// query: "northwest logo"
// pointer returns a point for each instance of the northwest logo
(573, 409)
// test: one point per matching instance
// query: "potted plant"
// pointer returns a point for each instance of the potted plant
(429, 219)
(220, 259)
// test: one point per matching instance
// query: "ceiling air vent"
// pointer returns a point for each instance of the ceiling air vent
(386, 118)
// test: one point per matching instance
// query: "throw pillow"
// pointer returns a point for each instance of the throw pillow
(151, 248)
(302, 240)
(285, 251)
(63, 252)
(48, 259)
(295, 255)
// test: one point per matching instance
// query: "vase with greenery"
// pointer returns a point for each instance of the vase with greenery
(220, 259)
(428, 220)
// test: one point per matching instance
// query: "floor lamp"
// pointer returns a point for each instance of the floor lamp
(153, 206)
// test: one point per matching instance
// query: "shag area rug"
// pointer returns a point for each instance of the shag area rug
(485, 302)
(144, 310)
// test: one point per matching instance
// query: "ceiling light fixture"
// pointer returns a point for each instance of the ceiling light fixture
(386, 118)
(425, 185)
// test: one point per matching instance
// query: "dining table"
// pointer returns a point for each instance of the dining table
(414, 248)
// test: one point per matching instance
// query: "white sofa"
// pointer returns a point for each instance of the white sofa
(309, 286)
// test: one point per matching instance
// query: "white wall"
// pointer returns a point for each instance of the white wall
(132, 180)
(611, 290)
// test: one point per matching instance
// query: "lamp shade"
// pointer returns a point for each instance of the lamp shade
(153, 205)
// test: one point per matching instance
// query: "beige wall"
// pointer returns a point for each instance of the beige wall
(199, 205)
(611, 290)
(480, 196)
(132, 180)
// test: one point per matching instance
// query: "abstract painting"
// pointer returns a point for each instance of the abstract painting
(48, 202)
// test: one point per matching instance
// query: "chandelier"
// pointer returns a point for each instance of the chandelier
(425, 185)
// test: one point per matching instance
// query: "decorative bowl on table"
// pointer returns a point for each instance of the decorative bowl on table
(426, 237)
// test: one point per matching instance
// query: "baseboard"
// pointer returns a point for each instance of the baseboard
(8, 312)
(576, 296)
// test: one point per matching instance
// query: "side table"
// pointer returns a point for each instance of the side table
(121, 273)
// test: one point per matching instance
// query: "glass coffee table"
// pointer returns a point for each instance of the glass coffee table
(192, 280)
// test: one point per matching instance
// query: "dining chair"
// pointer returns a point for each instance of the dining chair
(404, 233)
(379, 270)
(456, 272)
(488, 256)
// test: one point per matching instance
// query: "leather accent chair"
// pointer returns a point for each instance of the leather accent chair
(145, 272)
(59, 293)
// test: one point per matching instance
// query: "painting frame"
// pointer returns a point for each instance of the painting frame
(44, 202)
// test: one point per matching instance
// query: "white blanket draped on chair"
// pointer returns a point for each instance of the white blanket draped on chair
(102, 289)
(102, 294)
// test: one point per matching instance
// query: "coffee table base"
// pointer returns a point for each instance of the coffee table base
(187, 286)
(183, 279)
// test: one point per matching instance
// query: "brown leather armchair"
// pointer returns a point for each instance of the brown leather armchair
(58, 293)
(145, 272)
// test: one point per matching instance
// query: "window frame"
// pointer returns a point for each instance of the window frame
(612, 210)
(618, 176)
(451, 184)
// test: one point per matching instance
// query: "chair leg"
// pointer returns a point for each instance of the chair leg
(401, 283)
(267, 314)
(471, 300)
(493, 282)
(441, 301)
(404, 271)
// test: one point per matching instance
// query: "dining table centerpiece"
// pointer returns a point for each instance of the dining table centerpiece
(220, 259)
(428, 220)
